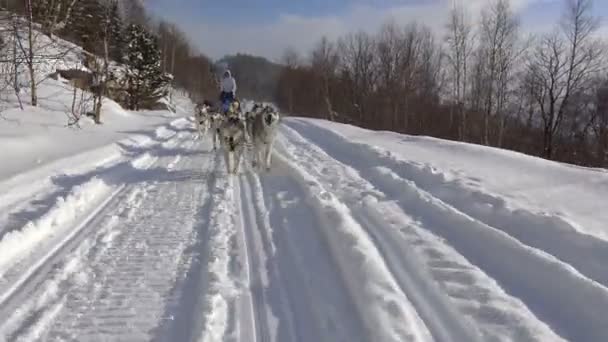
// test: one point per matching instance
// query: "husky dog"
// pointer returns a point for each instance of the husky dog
(264, 129)
(216, 121)
(233, 138)
(202, 118)
(250, 117)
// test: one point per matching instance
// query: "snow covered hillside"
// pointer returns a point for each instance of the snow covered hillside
(134, 232)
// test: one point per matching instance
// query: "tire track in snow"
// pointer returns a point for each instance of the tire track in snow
(32, 193)
(357, 192)
(44, 241)
(35, 305)
(541, 281)
(387, 313)
(71, 275)
(220, 317)
(549, 233)
(294, 310)
(257, 280)
(60, 210)
(321, 306)
(545, 284)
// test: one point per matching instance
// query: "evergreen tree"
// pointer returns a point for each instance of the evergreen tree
(86, 24)
(146, 82)
(115, 32)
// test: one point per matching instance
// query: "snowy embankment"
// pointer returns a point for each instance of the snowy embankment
(352, 236)
(490, 206)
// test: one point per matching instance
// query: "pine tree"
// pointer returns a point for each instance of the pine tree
(115, 32)
(86, 23)
(146, 82)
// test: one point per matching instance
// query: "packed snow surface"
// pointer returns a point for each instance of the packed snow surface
(133, 231)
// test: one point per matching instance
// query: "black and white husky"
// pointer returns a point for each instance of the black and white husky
(233, 137)
(263, 129)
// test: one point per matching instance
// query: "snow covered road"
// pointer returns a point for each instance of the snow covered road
(340, 241)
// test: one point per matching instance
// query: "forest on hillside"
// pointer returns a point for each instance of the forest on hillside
(130, 56)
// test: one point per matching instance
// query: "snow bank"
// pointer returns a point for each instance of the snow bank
(502, 179)
(536, 256)
(14, 245)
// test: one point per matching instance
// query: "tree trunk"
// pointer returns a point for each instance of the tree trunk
(74, 103)
(463, 121)
(548, 143)
(101, 89)
(486, 124)
(501, 132)
(30, 62)
(290, 100)
(602, 147)
(328, 106)
(16, 87)
(172, 71)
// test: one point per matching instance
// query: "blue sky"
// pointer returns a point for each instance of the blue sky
(267, 27)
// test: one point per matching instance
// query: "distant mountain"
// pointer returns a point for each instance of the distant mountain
(256, 77)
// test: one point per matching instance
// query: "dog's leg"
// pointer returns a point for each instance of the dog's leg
(232, 162)
(227, 160)
(200, 130)
(198, 125)
(268, 155)
(258, 154)
(253, 153)
(238, 152)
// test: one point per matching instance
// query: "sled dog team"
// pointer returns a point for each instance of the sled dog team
(234, 130)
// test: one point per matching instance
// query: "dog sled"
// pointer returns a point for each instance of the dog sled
(237, 131)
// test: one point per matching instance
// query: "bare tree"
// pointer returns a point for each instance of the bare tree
(501, 90)
(15, 58)
(357, 62)
(390, 52)
(497, 49)
(52, 15)
(291, 60)
(599, 123)
(324, 62)
(408, 69)
(33, 50)
(101, 72)
(563, 65)
(429, 81)
(460, 42)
